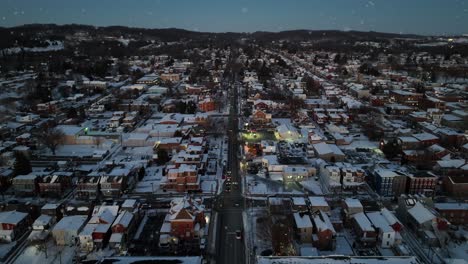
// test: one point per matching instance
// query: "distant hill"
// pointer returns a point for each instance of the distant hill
(304, 35)
(19, 34)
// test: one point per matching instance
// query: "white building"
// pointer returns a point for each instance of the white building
(386, 234)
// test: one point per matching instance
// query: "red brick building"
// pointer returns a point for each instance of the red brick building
(54, 185)
(182, 178)
(207, 105)
(456, 186)
(187, 218)
(260, 117)
(421, 184)
(455, 213)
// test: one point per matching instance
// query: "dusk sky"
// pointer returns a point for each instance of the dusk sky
(405, 16)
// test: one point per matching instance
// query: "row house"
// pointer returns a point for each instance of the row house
(455, 213)
(324, 237)
(97, 231)
(318, 203)
(55, 184)
(406, 97)
(351, 206)
(112, 186)
(117, 181)
(122, 229)
(26, 184)
(303, 227)
(183, 178)
(421, 184)
(365, 232)
(299, 204)
(426, 139)
(386, 234)
(456, 186)
(88, 187)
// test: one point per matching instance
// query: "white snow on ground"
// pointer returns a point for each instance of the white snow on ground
(208, 186)
(75, 150)
(458, 250)
(259, 186)
(152, 180)
(55, 254)
(261, 238)
(6, 248)
(53, 46)
(125, 42)
(342, 248)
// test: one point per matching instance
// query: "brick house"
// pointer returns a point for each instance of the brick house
(88, 187)
(260, 117)
(54, 185)
(182, 178)
(207, 105)
(122, 228)
(455, 213)
(324, 237)
(187, 218)
(456, 186)
(365, 232)
(303, 227)
(421, 184)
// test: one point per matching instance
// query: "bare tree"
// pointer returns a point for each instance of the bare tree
(51, 137)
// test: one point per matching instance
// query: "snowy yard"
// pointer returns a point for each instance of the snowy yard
(260, 238)
(458, 250)
(259, 186)
(55, 254)
(152, 180)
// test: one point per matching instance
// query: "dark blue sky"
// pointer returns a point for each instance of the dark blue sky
(406, 16)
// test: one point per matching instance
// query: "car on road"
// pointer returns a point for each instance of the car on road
(238, 234)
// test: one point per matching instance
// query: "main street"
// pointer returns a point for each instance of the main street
(230, 204)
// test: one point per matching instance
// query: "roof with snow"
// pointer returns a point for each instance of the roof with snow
(379, 221)
(318, 201)
(420, 213)
(363, 222)
(71, 223)
(124, 219)
(302, 221)
(12, 217)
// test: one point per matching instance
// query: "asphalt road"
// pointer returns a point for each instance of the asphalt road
(230, 203)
